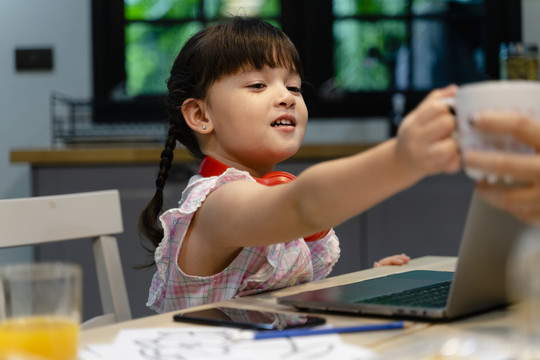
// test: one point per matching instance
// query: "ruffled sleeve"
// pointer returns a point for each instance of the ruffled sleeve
(175, 223)
(324, 255)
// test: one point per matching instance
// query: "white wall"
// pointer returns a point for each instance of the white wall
(530, 12)
(65, 26)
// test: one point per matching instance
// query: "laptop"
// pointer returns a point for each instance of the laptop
(478, 283)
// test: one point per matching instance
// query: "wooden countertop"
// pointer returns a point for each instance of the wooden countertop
(150, 154)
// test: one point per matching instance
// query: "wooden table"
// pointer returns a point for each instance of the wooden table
(497, 323)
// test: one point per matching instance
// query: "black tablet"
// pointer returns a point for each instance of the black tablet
(249, 319)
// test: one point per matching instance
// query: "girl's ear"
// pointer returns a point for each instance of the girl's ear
(195, 116)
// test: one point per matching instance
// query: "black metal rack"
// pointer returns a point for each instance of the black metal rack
(73, 122)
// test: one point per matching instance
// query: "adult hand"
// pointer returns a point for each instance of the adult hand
(522, 201)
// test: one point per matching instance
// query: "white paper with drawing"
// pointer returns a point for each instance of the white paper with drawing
(195, 343)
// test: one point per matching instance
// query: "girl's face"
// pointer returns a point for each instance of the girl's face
(259, 118)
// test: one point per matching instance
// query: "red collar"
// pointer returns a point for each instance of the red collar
(212, 167)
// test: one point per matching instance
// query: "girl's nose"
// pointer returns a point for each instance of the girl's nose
(286, 99)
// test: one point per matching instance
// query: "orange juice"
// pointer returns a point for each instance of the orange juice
(46, 337)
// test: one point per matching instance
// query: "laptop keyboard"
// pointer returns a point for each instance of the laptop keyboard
(432, 296)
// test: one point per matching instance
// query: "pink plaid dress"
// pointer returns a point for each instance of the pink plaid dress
(254, 270)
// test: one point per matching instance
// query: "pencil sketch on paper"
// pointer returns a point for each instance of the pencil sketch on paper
(215, 344)
(195, 343)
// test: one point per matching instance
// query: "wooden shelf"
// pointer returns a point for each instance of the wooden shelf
(123, 154)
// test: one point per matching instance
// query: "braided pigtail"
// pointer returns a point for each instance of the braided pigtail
(148, 220)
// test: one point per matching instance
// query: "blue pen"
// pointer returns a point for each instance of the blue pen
(337, 330)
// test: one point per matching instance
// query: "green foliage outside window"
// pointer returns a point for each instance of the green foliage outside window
(373, 7)
(367, 41)
(368, 36)
(150, 52)
(365, 53)
(160, 9)
(151, 46)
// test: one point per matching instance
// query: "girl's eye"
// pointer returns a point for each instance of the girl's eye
(256, 86)
(294, 89)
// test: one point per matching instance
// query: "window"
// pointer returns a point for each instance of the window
(156, 30)
(357, 54)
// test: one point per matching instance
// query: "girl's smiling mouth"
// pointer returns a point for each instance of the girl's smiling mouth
(285, 120)
(282, 123)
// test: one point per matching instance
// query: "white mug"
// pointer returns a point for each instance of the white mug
(510, 95)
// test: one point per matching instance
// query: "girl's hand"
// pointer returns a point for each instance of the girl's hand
(521, 201)
(425, 141)
(400, 259)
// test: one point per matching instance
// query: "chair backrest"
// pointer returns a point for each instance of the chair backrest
(96, 215)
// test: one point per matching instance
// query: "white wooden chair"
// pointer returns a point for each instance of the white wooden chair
(96, 215)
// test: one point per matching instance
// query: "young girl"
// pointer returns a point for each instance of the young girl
(235, 100)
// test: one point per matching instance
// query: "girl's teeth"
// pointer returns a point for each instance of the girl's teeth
(282, 122)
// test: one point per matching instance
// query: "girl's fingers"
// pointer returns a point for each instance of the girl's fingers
(441, 127)
(400, 259)
(443, 156)
(454, 164)
(447, 91)
(432, 109)
(432, 106)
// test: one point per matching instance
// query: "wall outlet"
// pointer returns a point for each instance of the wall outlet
(34, 59)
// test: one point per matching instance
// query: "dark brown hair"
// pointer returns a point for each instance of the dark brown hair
(216, 51)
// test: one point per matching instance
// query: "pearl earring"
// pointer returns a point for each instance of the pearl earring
(204, 127)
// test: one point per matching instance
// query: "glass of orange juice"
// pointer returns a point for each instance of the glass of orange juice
(40, 310)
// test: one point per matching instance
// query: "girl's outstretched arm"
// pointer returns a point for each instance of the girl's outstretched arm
(244, 213)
